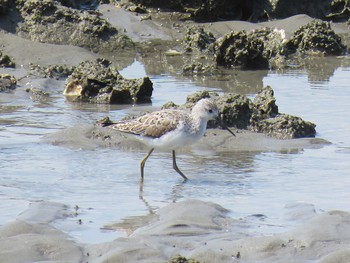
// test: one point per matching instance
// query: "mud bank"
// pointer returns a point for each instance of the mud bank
(194, 229)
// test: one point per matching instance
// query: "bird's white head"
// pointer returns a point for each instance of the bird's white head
(205, 109)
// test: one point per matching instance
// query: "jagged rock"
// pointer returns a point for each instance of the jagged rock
(99, 82)
(50, 22)
(7, 82)
(258, 49)
(52, 71)
(316, 36)
(198, 68)
(265, 103)
(6, 61)
(38, 95)
(284, 126)
(170, 105)
(266, 119)
(240, 49)
(260, 115)
(209, 10)
(197, 38)
(235, 110)
(196, 96)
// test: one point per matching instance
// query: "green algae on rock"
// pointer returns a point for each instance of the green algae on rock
(266, 119)
(181, 259)
(284, 126)
(38, 95)
(260, 115)
(235, 109)
(197, 38)
(240, 49)
(265, 103)
(51, 71)
(7, 82)
(6, 61)
(316, 36)
(99, 82)
(50, 22)
(257, 49)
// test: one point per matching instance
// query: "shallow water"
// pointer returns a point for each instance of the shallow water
(104, 182)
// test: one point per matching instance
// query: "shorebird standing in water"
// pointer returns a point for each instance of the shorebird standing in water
(170, 129)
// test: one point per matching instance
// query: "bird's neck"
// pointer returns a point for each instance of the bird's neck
(200, 124)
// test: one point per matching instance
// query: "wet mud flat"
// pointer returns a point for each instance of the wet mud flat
(194, 229)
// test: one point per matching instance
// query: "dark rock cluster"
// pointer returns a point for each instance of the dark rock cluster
(7, 82)
(99, 82)
(51, 71)
(56, 22)
(240, 49)
(6, 61)
(316, 36)
(266, 119)
(252, 10)
(260, 49)
(258, 115)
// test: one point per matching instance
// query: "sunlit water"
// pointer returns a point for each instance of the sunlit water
(104, 182)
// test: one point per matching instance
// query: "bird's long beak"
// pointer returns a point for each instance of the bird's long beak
(223, 125)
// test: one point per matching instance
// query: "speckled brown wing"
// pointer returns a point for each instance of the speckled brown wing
(153, 124)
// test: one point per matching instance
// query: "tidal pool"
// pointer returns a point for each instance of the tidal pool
(103, 183)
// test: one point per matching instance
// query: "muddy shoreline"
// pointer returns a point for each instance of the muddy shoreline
(192, 228)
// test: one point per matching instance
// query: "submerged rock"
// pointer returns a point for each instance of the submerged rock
(181, 259)
(50, 22)
(316, 36)
(38, 95)
(7, 82)
(99, 82)
(6, 61)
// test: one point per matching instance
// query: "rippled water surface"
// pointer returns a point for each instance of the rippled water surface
(104, 182)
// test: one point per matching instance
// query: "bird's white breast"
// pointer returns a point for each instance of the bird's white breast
(181, 136)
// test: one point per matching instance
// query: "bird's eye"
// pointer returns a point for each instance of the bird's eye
(210, 111)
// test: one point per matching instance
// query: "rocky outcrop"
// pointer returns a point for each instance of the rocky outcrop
(239, 49)
(318, 37)
(7, 82)
(266, 119)
(6, 61)
(99, 82)
(51, 71)
(264, 48)
(260, 115)
(253, 10)
(50, 22)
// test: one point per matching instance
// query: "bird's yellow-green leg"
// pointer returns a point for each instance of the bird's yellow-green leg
(177, 168)
(143, 163)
